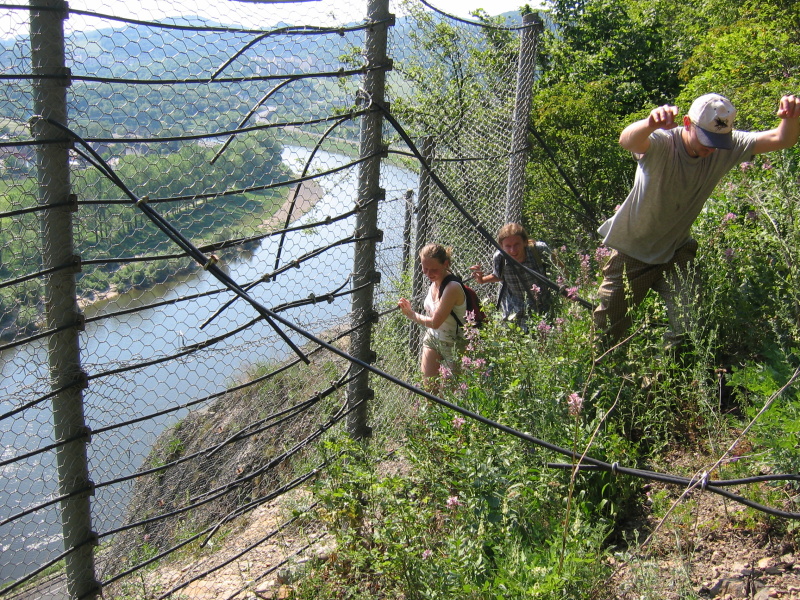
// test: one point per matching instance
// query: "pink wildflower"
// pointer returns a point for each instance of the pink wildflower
(445, 372)
(746, 166)
(458, 422)
(471, 333)
(453, 502)
(601, 254)
(767, 166)
(572, 293)
(574, 404)
(729, 253)
(543, 326)
(426, 554)
(585, 268)
(536, 290)
(729, 217)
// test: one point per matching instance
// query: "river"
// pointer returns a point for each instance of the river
(126, 339)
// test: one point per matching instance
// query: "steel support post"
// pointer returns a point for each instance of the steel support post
(51, 79)
(532, 26)
(369, 196)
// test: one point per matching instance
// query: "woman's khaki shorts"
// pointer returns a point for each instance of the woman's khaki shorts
(449, 352)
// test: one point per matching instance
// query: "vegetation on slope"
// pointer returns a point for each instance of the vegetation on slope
(479, 514)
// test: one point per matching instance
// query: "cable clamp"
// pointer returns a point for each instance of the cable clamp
(373, 277)
(614, 468)
(33, 122)
(80, 322)
(213, 259)
(81, 380)
(363, 202)
(143, 200)
(312, 298)
(75, 263)
(363, 98)
(93, 539)
(89, 490)
(60, 7)
(60, 76)
(704, 481)
(86, 434)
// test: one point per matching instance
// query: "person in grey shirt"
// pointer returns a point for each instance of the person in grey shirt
(678, 168)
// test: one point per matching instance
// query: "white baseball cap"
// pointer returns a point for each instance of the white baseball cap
(713, 116)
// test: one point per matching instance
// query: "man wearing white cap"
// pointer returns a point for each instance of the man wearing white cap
(678, 168)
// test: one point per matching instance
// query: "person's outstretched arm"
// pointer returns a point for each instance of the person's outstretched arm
(452, 295)
(785, 135)
(636, 136)
(480, 277)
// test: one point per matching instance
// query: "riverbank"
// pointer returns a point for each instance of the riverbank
(299, 199)
(309, 194)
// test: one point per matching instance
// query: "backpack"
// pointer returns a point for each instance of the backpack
(473, 301)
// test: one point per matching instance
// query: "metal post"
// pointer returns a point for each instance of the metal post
(427, 149)
(369, 196)
(408, 220)
(532, 26)
(51, 79)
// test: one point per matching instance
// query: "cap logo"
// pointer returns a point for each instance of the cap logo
(720, 123)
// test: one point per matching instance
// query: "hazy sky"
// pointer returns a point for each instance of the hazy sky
(14, 22)
(462, 8)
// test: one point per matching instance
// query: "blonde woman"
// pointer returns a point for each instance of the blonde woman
(442, 342)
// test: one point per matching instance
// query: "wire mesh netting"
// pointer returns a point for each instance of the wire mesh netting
(185, 214)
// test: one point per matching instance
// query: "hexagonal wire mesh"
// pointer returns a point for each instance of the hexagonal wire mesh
(240, 128)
